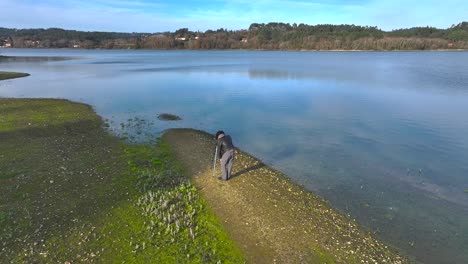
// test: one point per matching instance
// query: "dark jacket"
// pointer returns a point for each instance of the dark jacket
(224, 144)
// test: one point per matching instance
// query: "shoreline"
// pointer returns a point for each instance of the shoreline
(262, 207)
(284, 50)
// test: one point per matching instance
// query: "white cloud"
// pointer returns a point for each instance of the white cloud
(73, 16)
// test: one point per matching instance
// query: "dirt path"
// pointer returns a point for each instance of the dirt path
(271, 219)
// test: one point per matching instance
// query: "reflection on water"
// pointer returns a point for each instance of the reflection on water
(383, 136)
(188, 68)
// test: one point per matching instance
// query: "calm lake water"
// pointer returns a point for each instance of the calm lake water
(382, 135)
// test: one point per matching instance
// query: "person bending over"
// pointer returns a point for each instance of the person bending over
(225, 152)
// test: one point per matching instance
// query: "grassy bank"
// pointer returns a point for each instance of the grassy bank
(11, 75)
(71, 192)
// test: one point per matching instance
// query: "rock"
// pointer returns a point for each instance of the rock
(169, 117)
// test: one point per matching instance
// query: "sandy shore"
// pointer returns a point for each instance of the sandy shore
(271, 219)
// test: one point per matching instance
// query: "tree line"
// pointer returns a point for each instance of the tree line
(270, 36)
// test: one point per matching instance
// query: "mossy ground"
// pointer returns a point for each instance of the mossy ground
(71, 192)
(11, 75)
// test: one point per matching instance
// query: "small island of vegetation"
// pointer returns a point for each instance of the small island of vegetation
(11, 75)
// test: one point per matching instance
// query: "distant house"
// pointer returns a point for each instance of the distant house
(181, 38)
(32, 43)
(197, 37)
(76, 46)
(7, 43)
(244, 40)
(450, 45)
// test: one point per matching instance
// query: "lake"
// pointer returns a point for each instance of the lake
(382, 135)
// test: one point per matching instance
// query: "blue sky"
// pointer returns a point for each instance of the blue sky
(165, 15)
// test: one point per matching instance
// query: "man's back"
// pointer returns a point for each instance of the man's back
(224, 144)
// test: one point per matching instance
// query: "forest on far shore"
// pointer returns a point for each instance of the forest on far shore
(271, 36)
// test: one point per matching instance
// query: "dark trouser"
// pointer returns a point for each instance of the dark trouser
(226, 164)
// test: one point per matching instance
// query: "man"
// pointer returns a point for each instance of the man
(225, 152)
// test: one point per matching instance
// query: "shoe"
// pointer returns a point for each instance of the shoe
(221, 179)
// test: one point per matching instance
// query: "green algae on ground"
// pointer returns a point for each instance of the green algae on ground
(51, 172)
(70, 192)
(174, 220)
(11, 75)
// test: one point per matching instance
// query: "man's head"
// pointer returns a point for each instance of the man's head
(220, 132)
